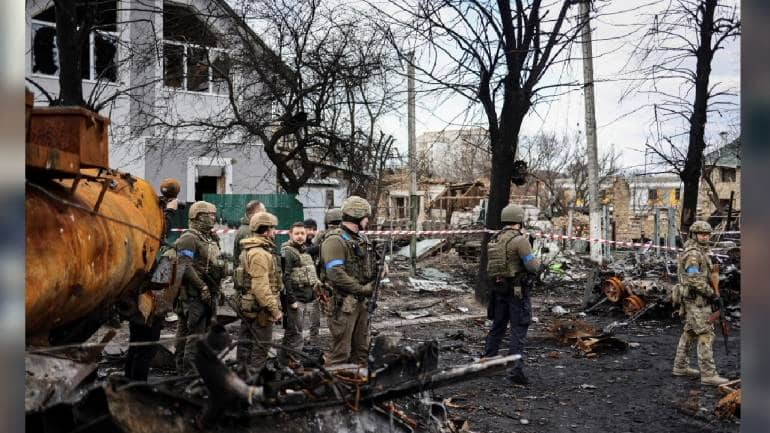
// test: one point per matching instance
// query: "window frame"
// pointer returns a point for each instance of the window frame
(92, 74)
(186, 46)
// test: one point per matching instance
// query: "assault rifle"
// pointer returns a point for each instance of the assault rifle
(378, 280)
(718, 306)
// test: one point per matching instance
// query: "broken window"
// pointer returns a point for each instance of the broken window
(399, 203)
(677, 193)
(652, 195)
(329, 198)
(191, 60)
(727, 174)
(98, 58)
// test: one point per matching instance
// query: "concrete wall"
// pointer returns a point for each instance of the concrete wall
(313, 199)
(251, 170)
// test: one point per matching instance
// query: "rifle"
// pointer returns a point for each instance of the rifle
(372, 305)
(718, 306)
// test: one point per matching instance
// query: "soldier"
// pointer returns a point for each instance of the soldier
(300, 280)
(140, 329)
(510, 258)
(313, 310)
(694, 295)
(332, 220)
(349, 264)
(259, 304)
(244, 231)
(199, 247)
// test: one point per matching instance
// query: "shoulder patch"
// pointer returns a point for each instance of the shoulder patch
(692, 270)
(187, 253)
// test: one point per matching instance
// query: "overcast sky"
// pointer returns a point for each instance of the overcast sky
(621, 124)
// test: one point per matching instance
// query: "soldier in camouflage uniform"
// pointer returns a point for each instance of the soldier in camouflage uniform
(260, 305)
(141, 329)
(313, 310)
(349, 265)
(695, 295)
(510, 295)
(199, 248)
(300, 280)
(244, 231)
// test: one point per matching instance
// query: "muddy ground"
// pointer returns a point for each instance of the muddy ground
(632, 391)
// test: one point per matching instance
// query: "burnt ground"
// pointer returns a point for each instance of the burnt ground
(631, 391)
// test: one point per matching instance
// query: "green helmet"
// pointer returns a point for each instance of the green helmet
(700, 227)
(260, 219)
(512, 214)
(356, 207)
(200, 207)
(333, 216)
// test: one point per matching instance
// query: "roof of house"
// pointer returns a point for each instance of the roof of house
(728, 155)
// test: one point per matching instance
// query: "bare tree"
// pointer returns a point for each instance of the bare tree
(560, 164)
(674, 58)
(494, 54)
(299, 93)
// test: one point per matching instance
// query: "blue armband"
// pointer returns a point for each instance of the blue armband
(187, 253)
(692, 270)
(332, 263)
(526, 259)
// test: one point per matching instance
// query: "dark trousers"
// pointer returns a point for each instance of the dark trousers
(508, 309)
(139, 357)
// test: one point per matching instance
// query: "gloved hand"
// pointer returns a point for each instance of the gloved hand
(366, 289)
(205, 294)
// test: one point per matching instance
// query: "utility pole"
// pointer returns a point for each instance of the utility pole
(594, 207)
(414, 200)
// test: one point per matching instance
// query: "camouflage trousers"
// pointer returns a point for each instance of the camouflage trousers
(697, 331)
(194, 318)
(349, 327)
(313, 315)
(292, 336)
(251, 355)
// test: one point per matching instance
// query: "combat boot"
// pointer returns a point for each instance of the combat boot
(686, 371)
(714, 380)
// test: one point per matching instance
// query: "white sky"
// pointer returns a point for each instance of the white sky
(566, 115)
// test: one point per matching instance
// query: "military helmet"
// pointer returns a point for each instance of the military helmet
(700, 227)
(260, 219)
(169, 188)
(200, 207)
(333, 216)
(356, 207)
(512, 214)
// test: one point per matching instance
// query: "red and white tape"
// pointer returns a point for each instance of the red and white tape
(424, 233)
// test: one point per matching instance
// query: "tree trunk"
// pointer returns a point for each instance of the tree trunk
(692, 169)
(503, 142)
(69, 34)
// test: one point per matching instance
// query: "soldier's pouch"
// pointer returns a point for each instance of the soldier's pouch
(263, 317)
(247, 305)
(348, 304)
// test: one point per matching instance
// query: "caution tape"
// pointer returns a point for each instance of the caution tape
(427, 233)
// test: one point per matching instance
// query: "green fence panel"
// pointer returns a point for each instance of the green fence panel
(232, 207)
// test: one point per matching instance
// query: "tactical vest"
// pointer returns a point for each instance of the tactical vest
(359, 255)
(302, 276)
(242, 278)
(207, 261)
(500, 263)
(681, 291)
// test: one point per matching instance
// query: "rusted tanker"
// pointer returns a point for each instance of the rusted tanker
(78, 259)
(91, 233)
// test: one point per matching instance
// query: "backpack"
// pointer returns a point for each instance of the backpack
(499, 264)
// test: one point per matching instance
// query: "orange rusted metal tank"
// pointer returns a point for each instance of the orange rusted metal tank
(89, 242)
